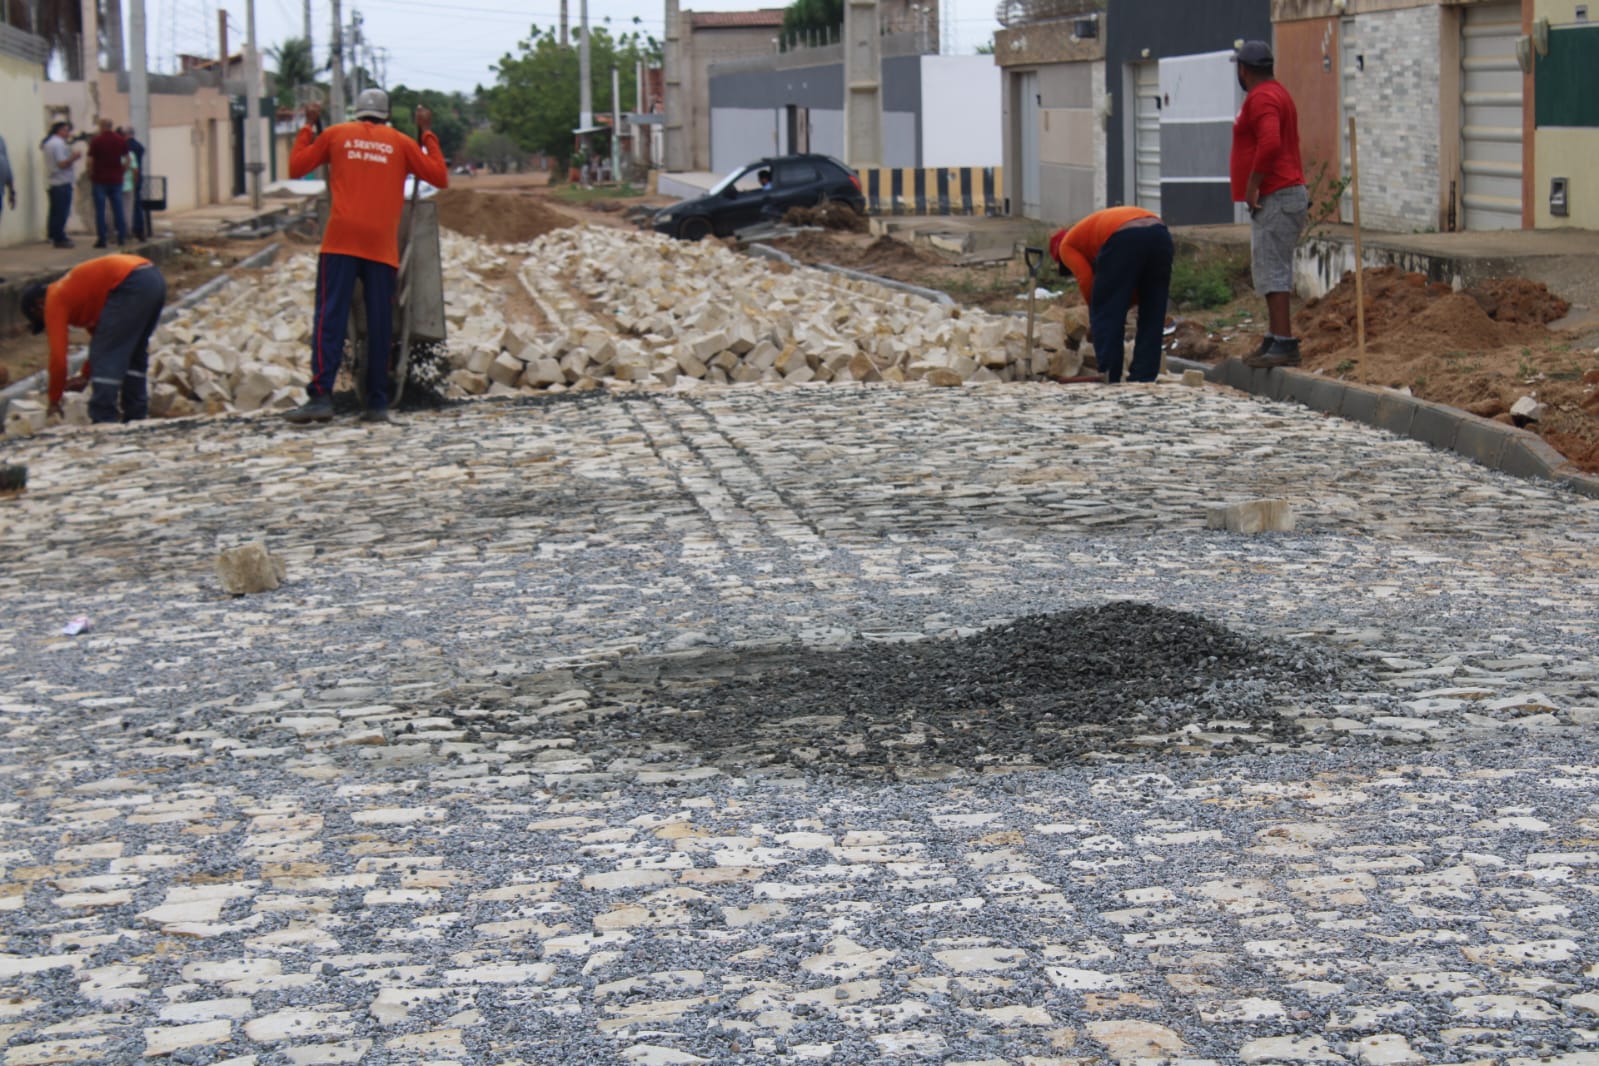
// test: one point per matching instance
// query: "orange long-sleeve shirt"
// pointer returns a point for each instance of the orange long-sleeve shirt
(1077, 248)
(367, 163)
(77, 300)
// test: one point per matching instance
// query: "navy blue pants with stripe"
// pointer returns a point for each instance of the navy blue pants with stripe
(1136, 259)
(119, 350)
(336, 276)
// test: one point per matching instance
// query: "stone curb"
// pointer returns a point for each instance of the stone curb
(766, 251)
(1507, 449)
(75, 362)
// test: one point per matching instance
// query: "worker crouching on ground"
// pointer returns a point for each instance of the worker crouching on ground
(1120, 256)
(367, 162)
(118, 299)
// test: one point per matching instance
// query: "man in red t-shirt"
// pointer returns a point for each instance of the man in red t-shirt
(1268, 175)
(368, 161)
(106, 151)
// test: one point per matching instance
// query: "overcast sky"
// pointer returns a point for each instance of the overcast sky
(441, 44)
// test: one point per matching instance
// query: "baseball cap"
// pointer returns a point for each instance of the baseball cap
(1254, 54)
(33, 305)
(372, 103)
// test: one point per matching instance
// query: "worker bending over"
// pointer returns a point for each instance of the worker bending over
(118, 299)
(1120, 256)
(367, 162)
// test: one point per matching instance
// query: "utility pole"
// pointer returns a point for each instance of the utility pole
(585, 107)
(310, 53)
(565, 35)
(355, 50)
(674, 131)
(139, 104)
(252, 107)
(336, 57)
(616, 125)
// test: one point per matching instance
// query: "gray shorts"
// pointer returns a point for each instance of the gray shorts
(1273, 236)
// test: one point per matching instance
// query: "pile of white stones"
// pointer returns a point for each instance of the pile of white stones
(631, 307)
(247, 347)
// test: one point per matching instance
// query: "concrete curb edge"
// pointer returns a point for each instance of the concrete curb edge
(1512, 451)
(35, 381)
(766, 251)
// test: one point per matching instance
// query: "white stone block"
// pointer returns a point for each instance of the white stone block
(1252, 516)
(247, 569)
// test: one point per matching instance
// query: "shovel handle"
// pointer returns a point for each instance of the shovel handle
(1034, 257)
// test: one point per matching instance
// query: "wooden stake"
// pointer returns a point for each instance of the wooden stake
(1360, 283)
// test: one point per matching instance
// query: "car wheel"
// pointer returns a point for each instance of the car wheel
(694, 229)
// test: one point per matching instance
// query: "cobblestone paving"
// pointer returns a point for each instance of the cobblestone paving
(364, 818)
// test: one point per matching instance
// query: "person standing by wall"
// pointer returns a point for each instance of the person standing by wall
(106, 152)
(1269, 176)
(60, 160)
(367, 161)
(132, 175)
(1120, 256)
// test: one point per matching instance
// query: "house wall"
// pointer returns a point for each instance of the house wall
(1142, 30)
(1307, 65)
(749, 107)
(22, 124)
(1398, 109)
(703, 47)
(960, 108)
(1567, 91)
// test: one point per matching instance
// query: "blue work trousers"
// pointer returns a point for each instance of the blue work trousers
(119, 350)
(60, 210)
(1136, 260)
(336, 276)
(113, 193)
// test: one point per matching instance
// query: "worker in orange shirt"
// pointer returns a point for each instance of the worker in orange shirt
(367, 162)
(1120, 256)
(118, 299)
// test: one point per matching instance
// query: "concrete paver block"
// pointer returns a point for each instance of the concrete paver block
(247, 569)
(1252, 516)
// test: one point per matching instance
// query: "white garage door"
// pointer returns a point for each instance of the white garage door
(1146, 136)
(1491, 117)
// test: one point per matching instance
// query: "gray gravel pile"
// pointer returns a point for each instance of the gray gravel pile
(1044, 690)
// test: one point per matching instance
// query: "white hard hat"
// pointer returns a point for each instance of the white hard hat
(372, 103)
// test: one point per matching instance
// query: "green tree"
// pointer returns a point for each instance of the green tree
(534, 99)
(820, 17)
(454, 115)
(295, 67)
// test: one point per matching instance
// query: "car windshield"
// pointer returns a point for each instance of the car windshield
(744, 179)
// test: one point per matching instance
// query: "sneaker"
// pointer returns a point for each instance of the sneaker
(1280, 352)
(384, 415)
(64, 243)
(99, 244)
(316, 409)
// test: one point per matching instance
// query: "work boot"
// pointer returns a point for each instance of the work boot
(382, 415)
(316, 409)
(1260, 349)
(1282, 351)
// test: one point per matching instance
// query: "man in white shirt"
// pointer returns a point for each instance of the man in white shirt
(60, 161)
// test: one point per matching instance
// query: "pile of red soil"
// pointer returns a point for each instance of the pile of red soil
(885, 255)
(1407, 312)
(508, 217)
(829, 215)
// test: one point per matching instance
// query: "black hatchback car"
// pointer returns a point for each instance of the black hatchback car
(762, 191)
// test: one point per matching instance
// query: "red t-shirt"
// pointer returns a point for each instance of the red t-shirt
(105, 157)
(367, 163)
(1266, 141)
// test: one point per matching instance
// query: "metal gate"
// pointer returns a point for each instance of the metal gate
(1029, 118)
(1490, 117)
(1146, 136)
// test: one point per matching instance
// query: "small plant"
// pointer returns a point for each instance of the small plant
(1344, 366)
(1419, 384)
(1197, 283)
(1326, 202)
